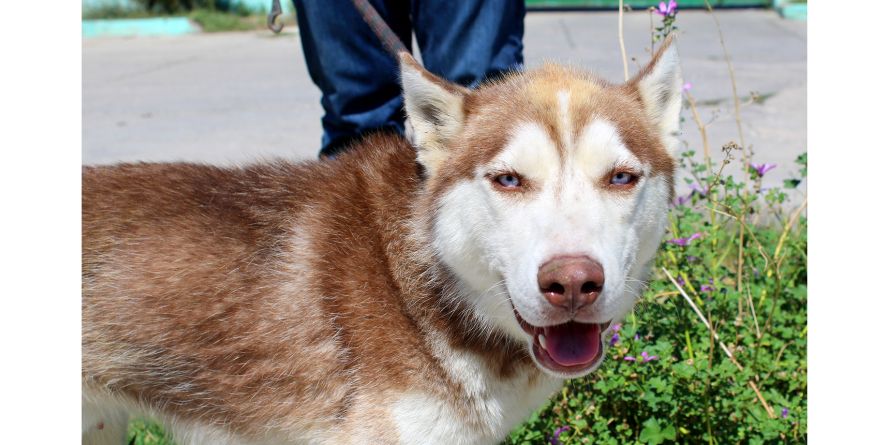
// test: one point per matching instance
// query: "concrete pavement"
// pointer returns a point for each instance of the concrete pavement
(238, 97)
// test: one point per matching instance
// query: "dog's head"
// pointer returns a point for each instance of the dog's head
(550, 191)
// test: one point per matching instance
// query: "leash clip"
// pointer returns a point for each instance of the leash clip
(276, 11)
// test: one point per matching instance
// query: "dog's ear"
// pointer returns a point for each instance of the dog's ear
(434, 108)
(660, 85)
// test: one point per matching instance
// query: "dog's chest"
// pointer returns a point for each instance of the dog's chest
(484, 409)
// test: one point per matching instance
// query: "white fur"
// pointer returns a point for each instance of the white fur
(564, 117)
(497, 243)
(435, 115)
(113, 412)
(661, 90)
(494, 406)
(103, 422)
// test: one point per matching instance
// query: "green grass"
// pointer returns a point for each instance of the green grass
(115, 12)
(216, 21)
(209, 20)
(143, 432)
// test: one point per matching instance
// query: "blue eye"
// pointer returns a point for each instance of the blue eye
(622, 178)
(508, 181)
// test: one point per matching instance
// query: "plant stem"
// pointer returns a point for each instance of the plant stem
(702, 130)
(651, 33)
(707, 390)
(753, 313)
(621, 38)
(750, 232)
(787, 228)
(714, 335)
(735, 98)
(740, 255)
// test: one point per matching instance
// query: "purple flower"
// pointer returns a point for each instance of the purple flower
(647, 357)
(696, 189)
(666, 10)
(680, 200)
(685, 241)
(555, 439)
(681, 281)
(706, 288)
(701, 191)
(692, 259)
(686, 86)
(762, 168)
(644, 357)
(615, 337)
(784, 413)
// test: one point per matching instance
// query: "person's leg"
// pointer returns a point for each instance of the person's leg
(358, 79)
(467, 41)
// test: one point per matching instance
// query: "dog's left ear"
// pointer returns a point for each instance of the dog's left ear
(660, 85)
(435, 109)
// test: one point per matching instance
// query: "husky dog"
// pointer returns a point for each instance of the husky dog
(427, 292)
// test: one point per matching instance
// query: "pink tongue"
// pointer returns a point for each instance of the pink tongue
(573, 343)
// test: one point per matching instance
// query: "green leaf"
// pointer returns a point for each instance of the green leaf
(654, 435)
(792, 183)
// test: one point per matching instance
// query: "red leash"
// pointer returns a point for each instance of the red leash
(393, 45)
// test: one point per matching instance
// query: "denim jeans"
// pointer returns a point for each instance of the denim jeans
(464, 41)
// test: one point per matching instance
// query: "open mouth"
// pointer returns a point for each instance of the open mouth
(570, 348)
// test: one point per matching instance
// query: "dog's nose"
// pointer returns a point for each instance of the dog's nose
(571, 282)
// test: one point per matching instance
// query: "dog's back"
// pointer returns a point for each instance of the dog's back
(250, 297)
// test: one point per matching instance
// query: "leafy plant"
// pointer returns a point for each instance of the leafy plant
(175, 6)
(148, 8)
(113, 11)
(215, 21)
(143, 432)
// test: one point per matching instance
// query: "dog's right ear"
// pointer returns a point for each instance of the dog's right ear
(435, 110)
(660, 87)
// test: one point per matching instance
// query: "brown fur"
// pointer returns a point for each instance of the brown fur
(497, 106)
(200, 297)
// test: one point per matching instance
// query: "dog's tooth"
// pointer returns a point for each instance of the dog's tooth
(541, 341)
